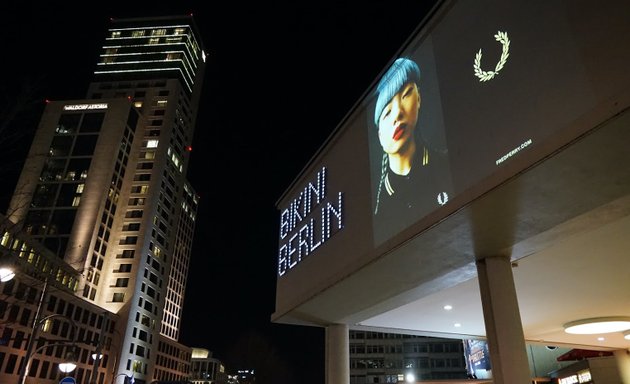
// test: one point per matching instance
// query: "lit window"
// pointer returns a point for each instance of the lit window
(158, 32)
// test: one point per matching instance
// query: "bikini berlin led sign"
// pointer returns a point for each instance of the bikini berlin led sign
(311, 218)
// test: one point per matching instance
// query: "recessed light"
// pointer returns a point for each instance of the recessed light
(551, 347)
(457, 325)
(598, 325)
(448, 307)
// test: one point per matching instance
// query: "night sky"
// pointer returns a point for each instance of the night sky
(279, 79)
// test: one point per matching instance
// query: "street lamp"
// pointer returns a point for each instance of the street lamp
(69, 363)
(98, 355)
(37, 323)
(6, 274)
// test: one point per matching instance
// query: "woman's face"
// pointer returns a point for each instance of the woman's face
(397, 122)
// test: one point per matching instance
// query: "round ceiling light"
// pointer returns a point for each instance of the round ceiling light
(598, 325)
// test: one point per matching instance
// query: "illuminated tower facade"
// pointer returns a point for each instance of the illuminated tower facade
(104, 186)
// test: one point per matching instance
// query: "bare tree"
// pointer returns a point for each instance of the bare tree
(253, 350)
(21, 106)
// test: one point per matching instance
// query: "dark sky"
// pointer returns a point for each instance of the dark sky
(280, 78)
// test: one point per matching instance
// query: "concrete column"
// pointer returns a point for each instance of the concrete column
(337, 354)
(504, 330)
(622, 356)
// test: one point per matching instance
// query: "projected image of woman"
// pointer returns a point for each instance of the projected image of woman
(414, 176)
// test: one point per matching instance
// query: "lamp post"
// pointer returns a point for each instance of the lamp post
(37, 322)
(97, 356)
(70, 361)
(34, 330)
(68, 367)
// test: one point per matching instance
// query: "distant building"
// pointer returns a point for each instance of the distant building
(205, 369)
(377, 357)
(104, 189)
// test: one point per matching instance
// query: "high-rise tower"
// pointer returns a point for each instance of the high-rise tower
(104, 186)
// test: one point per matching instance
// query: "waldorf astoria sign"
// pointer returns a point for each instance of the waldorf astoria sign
(310, 219)
(83, 107)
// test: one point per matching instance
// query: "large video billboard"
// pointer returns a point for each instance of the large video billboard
(491, 82)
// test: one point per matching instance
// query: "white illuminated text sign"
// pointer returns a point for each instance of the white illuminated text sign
(81, 107)
(308, 221)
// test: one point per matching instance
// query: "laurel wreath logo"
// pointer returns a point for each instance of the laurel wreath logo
(502, 38)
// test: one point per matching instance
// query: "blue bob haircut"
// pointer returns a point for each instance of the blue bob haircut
(400, 73)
